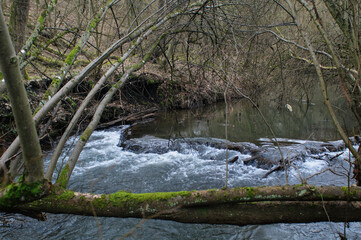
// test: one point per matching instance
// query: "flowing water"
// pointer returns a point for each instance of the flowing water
(180, 151)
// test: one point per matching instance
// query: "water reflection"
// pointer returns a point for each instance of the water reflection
(306, 121)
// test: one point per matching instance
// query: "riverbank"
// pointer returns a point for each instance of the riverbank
(142, 96)
(147, 95)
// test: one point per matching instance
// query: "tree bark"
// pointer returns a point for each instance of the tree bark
(238, 206)
(9, 65)
(18, 20)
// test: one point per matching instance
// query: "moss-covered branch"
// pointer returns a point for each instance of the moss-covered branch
(18, 193)
(240, 206)
(73, 54)
(42, 47)
(38, 28)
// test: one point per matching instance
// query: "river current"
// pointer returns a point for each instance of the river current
(152, 159)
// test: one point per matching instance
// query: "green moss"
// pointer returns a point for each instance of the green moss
(147, 57)
(303, 192)
(86, 135)
(20, 192)
(137, 66)
(91, 83)
(93, 24)
(100, 202)
(42, 18)
(345, 189)
(348, 191)
(48, 61)
(116, 86)
(139, 202)
(73, 104)
(66, 195)
(250, 191)
(46, 96)
(55, 82)
(135, 199)
(63, 177)
(134, 43)
(21, 178)
(71, 56)
(26, 75)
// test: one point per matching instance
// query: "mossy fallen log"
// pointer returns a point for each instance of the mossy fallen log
(238, 206)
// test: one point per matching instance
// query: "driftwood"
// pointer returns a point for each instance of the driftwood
(149, 113)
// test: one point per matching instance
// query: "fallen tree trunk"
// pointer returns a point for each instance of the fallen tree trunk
(128, 119)
(238, 206)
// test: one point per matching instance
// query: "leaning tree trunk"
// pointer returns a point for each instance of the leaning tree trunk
(71, 125)
(22, 55)
(9, 65)
(323, 85)
(238, 206)
(18, 20)
(13, 148)
(141, 29)
(70, 165)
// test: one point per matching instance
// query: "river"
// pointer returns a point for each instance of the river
(152, 159)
